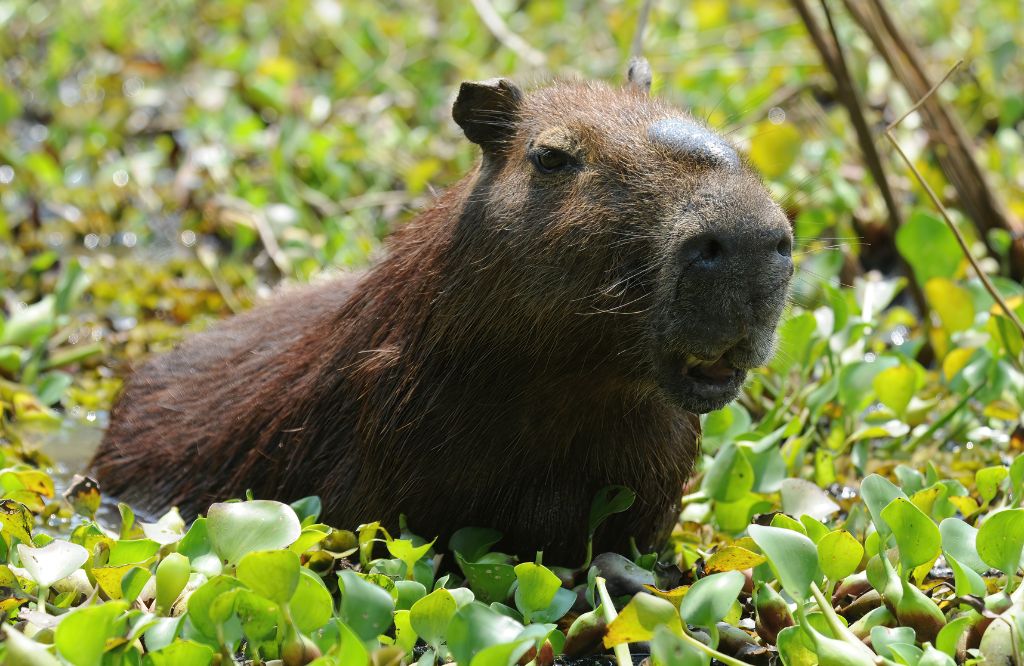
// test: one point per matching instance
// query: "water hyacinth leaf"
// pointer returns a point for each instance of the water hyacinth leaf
(915, 610)
(796, 647)
(16, 520)
(929, 246)
(23, 651)
(180, 652)
(951, 302)
(801, 497)
(409, 592)
(237, 528)
(987, 481)
(959, 540)
(431, 615)
(895, 387)
(366, 608)
(792, 556)
(966, 580)
(1000, 541)
(878, 492)
(311, 605)
(609, 501)
(710, 598)
(506, 654)
(352, 650)
(839, 554)
(882, 638)
(473, 542)
(82, 635)
(640, 617)
(668, 649)
(132, 551)
(730, 476)
(54, 561)
(200, 603)
(949, 637)
(917, 535)
(933, 657)
(170, 528)
(307, 509)
(476, 627)
(404, 550)
(536, 589)
(733, 558)
(273, 574)
(489, 581)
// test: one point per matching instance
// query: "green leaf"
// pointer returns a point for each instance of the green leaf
(472, 543)
(180, 652)
(878, 492)
(959, 540)
(237, 528)
(638, 620)
(1001, 540)
(730, 476)
(311, 605)
(404, 550)
(23, 651)
(273, 574)
(792, 556)
(951, 302)
(82, 634)
(929, 246)
(987, 481)
(710, 598)
(365, 607)
(201, 601)
(476, 627)
(917, 535)
(774, 148)
(536, 589)
(839, 554)
(895, 387)
(431, 615)
(490, 581)
(608, 501)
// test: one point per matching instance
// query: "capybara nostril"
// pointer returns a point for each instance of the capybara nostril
(785, 245)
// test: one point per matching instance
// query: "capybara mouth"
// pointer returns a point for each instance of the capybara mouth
(700, 385)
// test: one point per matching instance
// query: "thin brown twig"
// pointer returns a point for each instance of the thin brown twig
(931, 91)
(1010, 314)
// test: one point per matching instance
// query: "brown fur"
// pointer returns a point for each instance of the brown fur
(496, 368)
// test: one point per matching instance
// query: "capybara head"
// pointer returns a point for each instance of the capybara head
(628, 227)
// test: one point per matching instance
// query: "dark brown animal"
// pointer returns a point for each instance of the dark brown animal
(551, 325)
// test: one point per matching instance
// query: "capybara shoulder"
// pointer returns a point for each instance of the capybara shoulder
(551, 325)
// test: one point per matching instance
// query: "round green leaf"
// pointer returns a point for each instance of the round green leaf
(792, 556)
(311, 605)
(81, 637)
(237, 528)
(537, 587)
(929, 246)
(730, 476)
(839, 553)
(431, 615)
(1001, 539)
(710, 598)
(476, 627)
(959, 540)
(917, 535)
(365, 607)
(895, 387)
(273, 574)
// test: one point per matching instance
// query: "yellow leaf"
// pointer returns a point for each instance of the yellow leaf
(955, 361)
(951, 302)
(733, 558)
(774, 148)
(675, 595)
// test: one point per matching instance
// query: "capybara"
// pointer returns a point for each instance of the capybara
(551, 325)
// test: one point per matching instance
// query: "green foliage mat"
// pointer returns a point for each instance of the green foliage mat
(164, 164)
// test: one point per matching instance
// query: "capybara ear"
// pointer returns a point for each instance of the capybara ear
(639, 76)
(486, 110)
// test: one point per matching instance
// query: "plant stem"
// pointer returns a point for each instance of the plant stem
(841, 631)
(622, 655)
(724, 658)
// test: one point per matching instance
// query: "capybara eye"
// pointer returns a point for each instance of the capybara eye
(549, 160)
